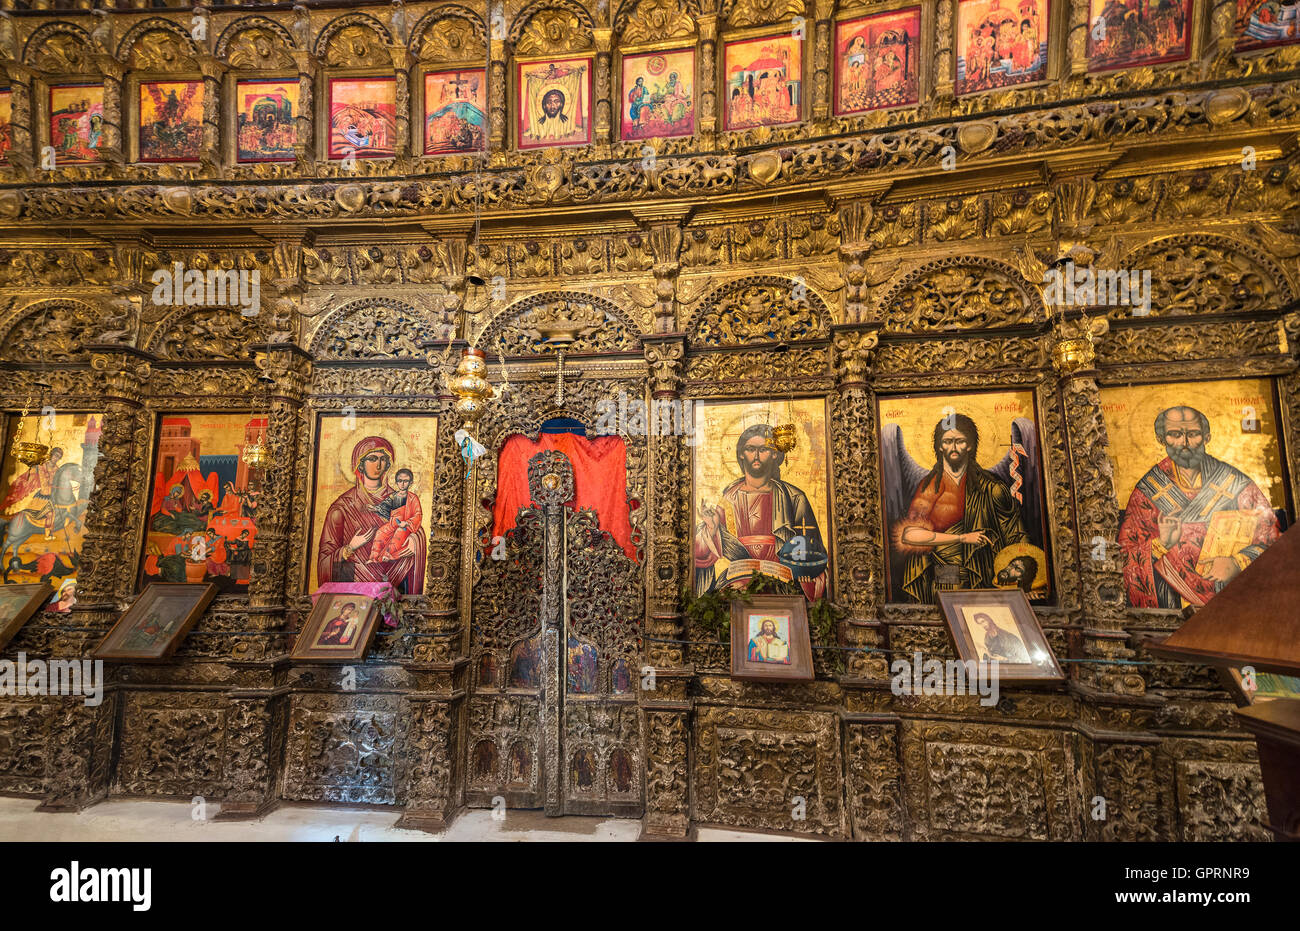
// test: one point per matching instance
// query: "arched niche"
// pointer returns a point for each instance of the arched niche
(1208, 274)
(759, 309)
(372, 328)
(256, 43)
(49, 331)
(355, 40)
(519, 329)
(960, 292)
(60, 48)
(557, 27)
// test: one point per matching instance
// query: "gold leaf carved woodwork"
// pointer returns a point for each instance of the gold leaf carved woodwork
(555, 30)
(959, 293)
(162, 50)
(753, 366)
(206, 334)
(356, 46)
(1208, 274)
(452, 39)
(51, 331)
(750, 764)
(259, 46)
(520, 327)
(759, 309)
(60, 48)
(762, 12)
(654, 20)
(372, 328)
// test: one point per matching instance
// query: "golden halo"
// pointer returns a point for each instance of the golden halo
(385, 427)
(1006, 554)
(734, 426)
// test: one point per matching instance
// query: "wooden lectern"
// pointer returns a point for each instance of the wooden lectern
(1255, 621)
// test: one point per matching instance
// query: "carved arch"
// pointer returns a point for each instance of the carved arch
(960, 292)
(758, 308)
(422, 38)
(39, 53)
(127, 48)
(373, 328)
(511, 325)
(226, 43)
(1201, 273)
(676, 19)
(528, 37)
(205, 334)
(52, 330)
(758, 12)
(335, 26)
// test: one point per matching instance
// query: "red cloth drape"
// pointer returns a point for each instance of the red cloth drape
(599, 480)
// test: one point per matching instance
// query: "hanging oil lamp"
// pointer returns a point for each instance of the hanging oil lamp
(784, 438)
(33, 452)
(470, 385)
(257, 455)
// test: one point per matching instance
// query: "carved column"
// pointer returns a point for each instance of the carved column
(855, 247)
(402, 69)
(303, 146)
(860, 564)
(1076, 46)
(286, 372)
(110, 147)
(212, 69)
(20, 123)
(497, 84)
(666, 246)
(821, 57)
(1222, 39)
(252, 762)
(1289, 395)
(664, 690)
(603, 91)
(872, 756)
(1101, 594)
(122, 372)
(945, 30)
(708, 74)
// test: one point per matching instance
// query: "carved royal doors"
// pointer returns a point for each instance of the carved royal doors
(553, 719)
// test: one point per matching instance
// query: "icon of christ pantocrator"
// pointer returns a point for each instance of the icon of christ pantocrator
(761, 525)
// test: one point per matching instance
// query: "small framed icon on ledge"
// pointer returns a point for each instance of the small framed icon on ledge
(338, 630)
(769, 639)
(18, 603)
(999, 625)
(156, 623)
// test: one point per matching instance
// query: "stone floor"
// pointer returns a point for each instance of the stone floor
(136, 820)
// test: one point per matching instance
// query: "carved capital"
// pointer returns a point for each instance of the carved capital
(665, 355)
(854, 345)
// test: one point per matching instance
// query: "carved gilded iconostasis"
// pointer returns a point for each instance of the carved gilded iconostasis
(843, 215)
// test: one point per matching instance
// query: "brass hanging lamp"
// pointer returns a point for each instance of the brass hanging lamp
(784, 436)
(30, 452)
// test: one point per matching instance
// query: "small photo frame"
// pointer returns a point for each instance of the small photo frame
(1245, 689)
(338, 630)
(156, 623)
(769, 639)
(17, 604)
(999, 624)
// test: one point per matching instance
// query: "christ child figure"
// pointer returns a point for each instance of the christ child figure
(402, 511)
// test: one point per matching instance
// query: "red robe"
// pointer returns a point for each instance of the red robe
(349, 515)
(1159, 578)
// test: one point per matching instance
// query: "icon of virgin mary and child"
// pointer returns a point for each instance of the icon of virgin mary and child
(372, 531)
